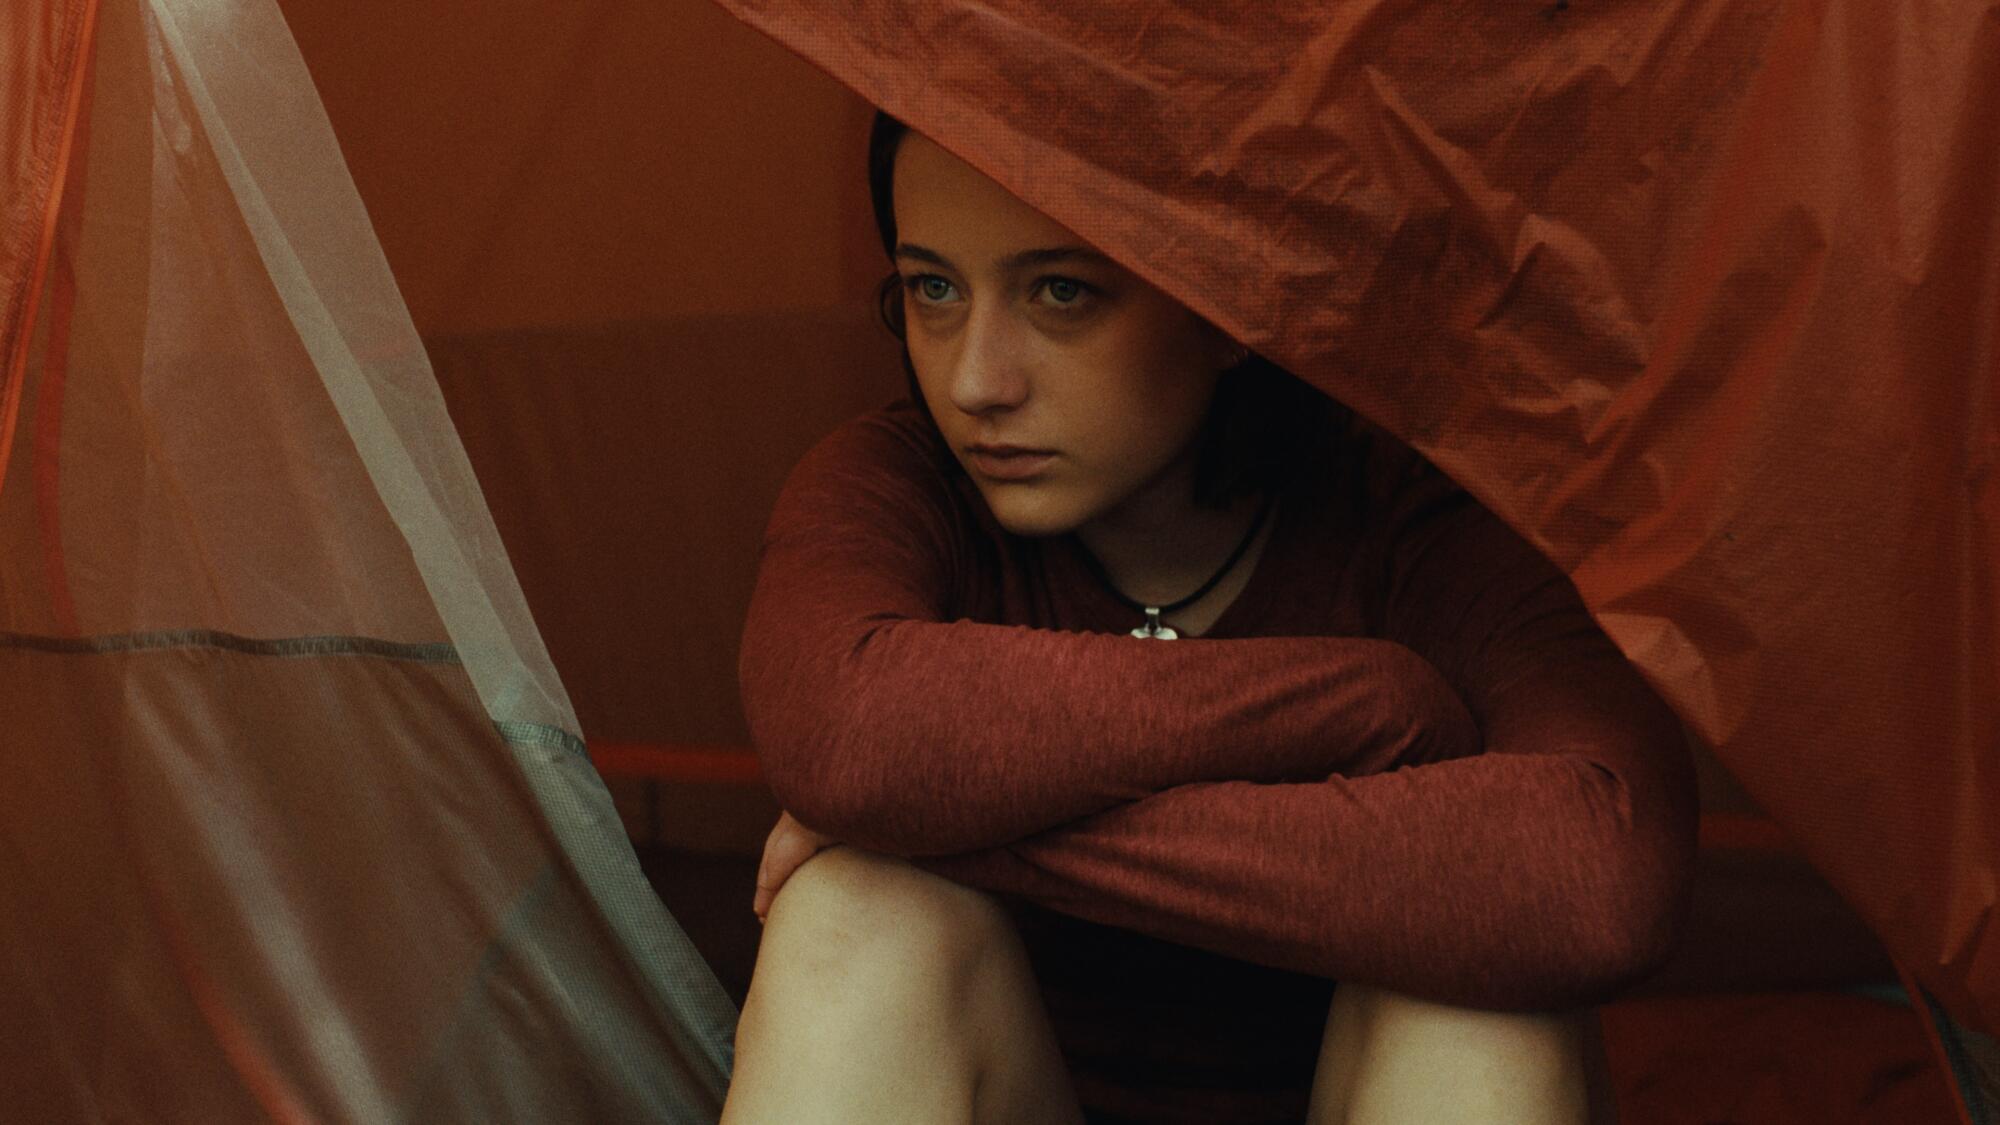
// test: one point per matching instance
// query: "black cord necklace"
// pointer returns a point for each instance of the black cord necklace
(1152, 627)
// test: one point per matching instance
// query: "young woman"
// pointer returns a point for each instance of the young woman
(1119, 677)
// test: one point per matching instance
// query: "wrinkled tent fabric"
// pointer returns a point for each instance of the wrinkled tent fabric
(1703, 298)
(298, 822)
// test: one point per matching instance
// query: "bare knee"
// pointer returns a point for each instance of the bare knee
(883, 992)
(851, 917)
(858, 1008)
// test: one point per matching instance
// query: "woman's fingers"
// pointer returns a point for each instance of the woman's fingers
(789, 845)
(771, 872)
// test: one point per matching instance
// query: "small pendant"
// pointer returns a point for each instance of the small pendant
(1153, 628)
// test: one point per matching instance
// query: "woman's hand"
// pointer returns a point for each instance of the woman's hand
(789, 845)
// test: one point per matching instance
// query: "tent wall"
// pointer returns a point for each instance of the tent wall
(541, 185)
(631, 469)
(592, 163)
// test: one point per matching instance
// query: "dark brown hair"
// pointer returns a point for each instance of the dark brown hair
(1260, 428)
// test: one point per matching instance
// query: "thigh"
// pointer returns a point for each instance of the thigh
(1386, 1057)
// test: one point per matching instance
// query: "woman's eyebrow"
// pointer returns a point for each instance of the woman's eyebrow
(1014, 261)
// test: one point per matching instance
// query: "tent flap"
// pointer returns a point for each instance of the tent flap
(1702, 299)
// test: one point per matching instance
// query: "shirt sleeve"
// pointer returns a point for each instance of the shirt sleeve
(1550, 871)
(879, 722)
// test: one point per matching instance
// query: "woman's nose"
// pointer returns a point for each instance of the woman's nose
(991, 369)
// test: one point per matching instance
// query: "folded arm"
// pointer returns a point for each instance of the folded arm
(879, 722)
(1546, 872)
(1481, 804)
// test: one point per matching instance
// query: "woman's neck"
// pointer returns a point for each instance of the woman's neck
(1159, 546)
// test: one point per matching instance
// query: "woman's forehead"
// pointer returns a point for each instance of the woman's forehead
(946, 205)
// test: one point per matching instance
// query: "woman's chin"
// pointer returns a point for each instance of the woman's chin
(1030, 516)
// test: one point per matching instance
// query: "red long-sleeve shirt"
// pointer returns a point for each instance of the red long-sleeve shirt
(1403, 756)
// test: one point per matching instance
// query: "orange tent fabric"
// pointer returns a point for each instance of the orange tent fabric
(49, 43)
(298, 822)
(1704, 300)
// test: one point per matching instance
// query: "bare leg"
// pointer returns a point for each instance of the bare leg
(885, 994)
(1391, 1058)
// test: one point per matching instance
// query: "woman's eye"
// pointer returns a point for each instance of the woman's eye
(929, 287)
(1066, 292)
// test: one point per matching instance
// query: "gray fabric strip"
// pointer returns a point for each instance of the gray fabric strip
(329, 645)
(514, 732)
(535, 734)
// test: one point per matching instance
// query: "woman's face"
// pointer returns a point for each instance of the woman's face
(1021, 334)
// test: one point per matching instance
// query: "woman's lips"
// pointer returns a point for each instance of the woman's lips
(1010, 466)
